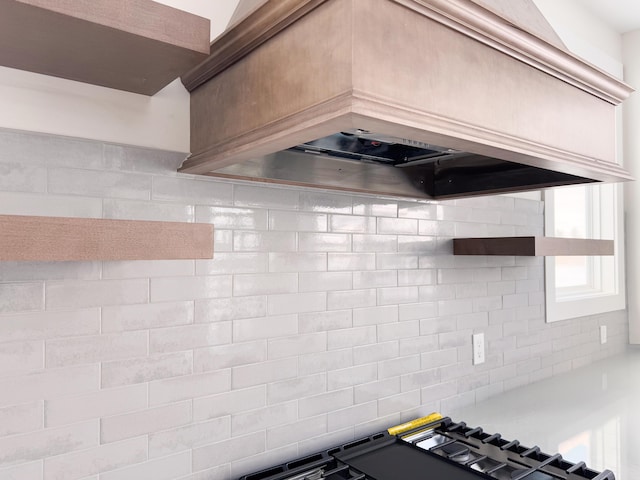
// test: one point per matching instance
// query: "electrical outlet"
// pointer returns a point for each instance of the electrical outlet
(478, 348)
(603, 334)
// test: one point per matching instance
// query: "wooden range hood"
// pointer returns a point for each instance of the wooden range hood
(442, 98)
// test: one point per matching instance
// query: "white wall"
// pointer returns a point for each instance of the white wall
(584, 34)
(45, 104)
(631, 44)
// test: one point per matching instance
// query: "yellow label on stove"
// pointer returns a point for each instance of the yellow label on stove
(418, 422)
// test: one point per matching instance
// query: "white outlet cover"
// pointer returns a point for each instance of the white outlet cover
(603, 334)
(478, 348)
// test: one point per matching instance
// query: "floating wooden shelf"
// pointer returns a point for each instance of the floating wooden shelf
(68, 239)
(531, 246)
(135, 45)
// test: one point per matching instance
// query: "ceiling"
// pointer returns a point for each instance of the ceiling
(622, 15)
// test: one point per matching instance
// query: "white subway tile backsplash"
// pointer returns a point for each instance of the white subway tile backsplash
(364, 412)
(48, 384)
(102, 403)
(233, 262)
(297, 303)
(221, 472)
(351, 261)
(352, 224)
(311, 406)
(396, 261)
(398, 295)
(249, 329)
(30, 271)
(376, 278)
(324, 242)
(288, 221)
(423, 378)
(263, 418)
(172, 289)
(191, 436)
(21, 297)
(264, 372)
(296, 345)
(21, 357)
(351, 299)
(255, 241)
(266, 197)
(223, 240)
(293, 389)
(311, 363)
(375, 353)
(351, 376)
(373, 391)
(22, 418)
(265, 284)
(188, 337)
(416, 277)
(227, 218)
(137, 159)
(436, 228)
(146, 369)
(419, 344)
(398, 403)
(166, 468)
(49, 205)
(24, 471)
(324, 321)
(147, 268)
(83, 294)
(296, 431)
(377, 207)
(218, 310)
(313, 201)
(96, 183)
(96, 460)
(146, 316)
(297, 262)
(395, 367)
(398, 330)
(224, 404)
(375, 243)
(189, 387)
(325, 281)
(293, 338)
(20, 177)
(152, 211)
(351, 337)
(192, 190)
(226, 356)
(96, 348)
(397, 226)
(375, 315)
(424, 211)
(28, 447)
(129, 425)
(227, 451)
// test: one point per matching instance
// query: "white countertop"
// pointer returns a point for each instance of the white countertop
(591, 414)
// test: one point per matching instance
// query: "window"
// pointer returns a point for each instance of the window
(579, 286)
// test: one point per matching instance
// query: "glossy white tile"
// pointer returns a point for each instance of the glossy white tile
(96, 183)
(287, 221)
(324, 242)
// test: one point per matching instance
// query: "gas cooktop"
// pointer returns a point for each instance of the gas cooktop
(432, 448)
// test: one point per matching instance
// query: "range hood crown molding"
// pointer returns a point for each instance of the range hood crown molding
(465, 16)
(458, 74)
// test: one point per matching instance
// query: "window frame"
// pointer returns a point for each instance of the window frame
(609, 275)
